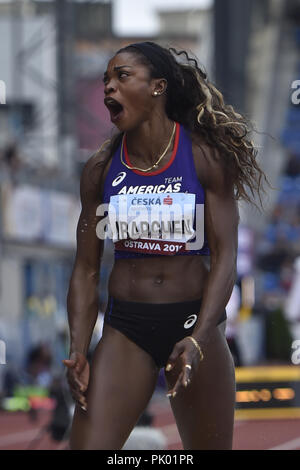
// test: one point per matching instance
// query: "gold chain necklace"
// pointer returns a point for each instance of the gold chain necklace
(159, 159)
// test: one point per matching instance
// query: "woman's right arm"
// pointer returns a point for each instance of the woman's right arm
(82, 299)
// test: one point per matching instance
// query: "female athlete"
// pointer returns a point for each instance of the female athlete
(170, 180)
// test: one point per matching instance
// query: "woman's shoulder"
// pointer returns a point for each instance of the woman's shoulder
(95, 169)
(99, 157)
(208, 161)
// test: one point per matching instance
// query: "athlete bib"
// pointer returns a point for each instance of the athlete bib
(157, 213)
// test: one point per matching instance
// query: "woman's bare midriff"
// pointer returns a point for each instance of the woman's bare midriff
(159, 280)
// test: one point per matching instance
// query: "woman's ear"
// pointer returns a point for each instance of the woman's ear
(159, 86)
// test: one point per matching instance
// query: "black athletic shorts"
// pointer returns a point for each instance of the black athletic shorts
(154, 327)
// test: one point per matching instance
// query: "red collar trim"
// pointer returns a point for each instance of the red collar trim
(166, 166)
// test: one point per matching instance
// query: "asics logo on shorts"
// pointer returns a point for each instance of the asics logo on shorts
(119, 178)
(190, 321)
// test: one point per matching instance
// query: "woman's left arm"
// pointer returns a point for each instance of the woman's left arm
(221, 218)
(221, 226)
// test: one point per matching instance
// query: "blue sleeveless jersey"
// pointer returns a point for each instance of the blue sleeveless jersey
(158, 213)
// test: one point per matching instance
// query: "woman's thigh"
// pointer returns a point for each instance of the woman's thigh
(122, 380)
(204, 411)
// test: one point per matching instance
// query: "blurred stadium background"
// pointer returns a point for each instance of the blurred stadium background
(52, 118)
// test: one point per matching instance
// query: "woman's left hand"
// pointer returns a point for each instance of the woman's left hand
(190, 357)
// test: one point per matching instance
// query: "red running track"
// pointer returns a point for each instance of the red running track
(279, 434)
(18, 432)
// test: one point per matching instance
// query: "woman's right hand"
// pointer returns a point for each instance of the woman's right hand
(78, 377)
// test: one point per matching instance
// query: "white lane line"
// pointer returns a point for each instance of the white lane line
(289, 445)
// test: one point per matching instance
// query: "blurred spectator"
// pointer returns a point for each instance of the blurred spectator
(38, 366)
(286, 274)
(10, 162)
(293, 165)
(15, 164)
(11, 157)
(281, 280)
(37, 371)
(60, 422)
(277, 332)
(292, 304)
(273, 260)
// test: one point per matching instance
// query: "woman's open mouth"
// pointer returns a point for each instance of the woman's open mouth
(114, 107)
